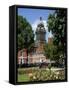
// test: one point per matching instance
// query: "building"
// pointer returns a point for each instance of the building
(22, 56)
(39, 43)
(37, 53)
(50, 40)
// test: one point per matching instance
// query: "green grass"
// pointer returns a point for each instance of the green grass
(23, 78)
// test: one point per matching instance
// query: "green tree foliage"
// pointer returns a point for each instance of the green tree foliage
(25, 34)
(50, 51)
(57, 24)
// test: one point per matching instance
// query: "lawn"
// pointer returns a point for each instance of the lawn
(23, 78)
(36, 74)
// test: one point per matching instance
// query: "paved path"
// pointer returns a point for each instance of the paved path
(57, 69)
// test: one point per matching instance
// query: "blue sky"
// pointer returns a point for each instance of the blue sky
(33, 15)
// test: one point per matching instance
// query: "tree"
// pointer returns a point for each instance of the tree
(25, 34)
(50, 50)
(57, 24)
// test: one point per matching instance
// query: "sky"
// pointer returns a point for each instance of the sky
(33, 17)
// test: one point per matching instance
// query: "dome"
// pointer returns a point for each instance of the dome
(40, 26)
(40, 22)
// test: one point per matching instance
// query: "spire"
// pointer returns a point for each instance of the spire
(40, 18)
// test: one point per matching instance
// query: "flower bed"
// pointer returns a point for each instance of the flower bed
(36, 74)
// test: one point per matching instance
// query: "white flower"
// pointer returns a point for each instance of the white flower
(34, 77)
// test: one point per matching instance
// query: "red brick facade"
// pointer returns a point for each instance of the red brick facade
(22, 56)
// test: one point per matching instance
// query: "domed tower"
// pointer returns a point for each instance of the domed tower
(40, 31)
(40, 35)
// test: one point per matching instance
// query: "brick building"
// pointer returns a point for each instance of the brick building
(37, 54)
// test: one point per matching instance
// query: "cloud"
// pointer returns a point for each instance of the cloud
(50, 34)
